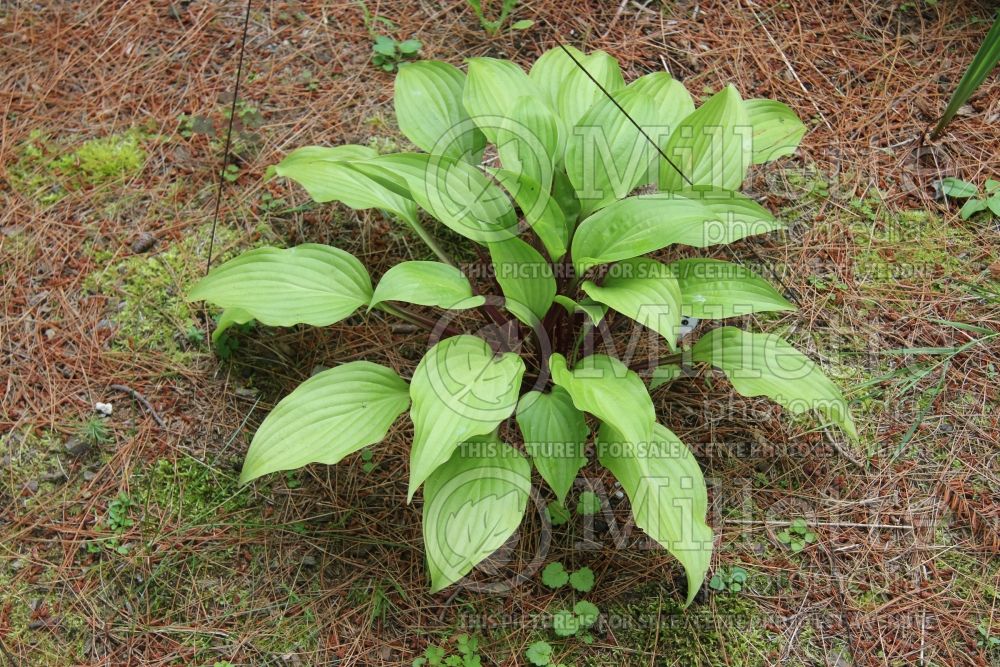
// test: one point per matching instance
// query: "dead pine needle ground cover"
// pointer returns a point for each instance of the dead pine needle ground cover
(125, 538)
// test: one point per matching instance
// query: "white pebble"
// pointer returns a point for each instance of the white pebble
(103, 408)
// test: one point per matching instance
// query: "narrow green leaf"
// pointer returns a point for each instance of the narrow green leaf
(426, 284)
(429, 109)
(712, 289)
(332, 414)
(711, 146)
(592, 309)
(777, 131)
(460, 389)
(644, 290)
(607, 389)
(765, 365)
(555, 434)
(668, 495)
(541, 211)
(526, 279)
(229, 317)
(308, 284)
(982, 64)
(637, 225)
(606, 155)
(472, 505)
(523, 24)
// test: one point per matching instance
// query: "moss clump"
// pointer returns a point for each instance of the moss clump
(45, 171)
(151, 313)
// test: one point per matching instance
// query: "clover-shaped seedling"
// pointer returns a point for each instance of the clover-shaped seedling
(797, 535)
(558, 515)
(556, 576)
(975, 201)
(731, 579)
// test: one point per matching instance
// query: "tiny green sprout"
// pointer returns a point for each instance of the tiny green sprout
(366, 456)
(231, 173)
(956, 188)
(558, 515)
(387, 53)
(797, 535)
(586, 613)
(95, 431)
(731, 579)
(986, 639)
(582, 580)
(589, 503)
(554, 575)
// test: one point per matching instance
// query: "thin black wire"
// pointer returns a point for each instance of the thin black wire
(229, 137)
(790, 293)
(626, 114)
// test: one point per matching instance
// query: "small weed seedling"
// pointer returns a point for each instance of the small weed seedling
(118, 521)
(556, 576)
(558, 515)
(467, 654)
(797, 535)
(492, 27)
(589, 503)
(389, 53)
(986, 639)
(975, 201)
(95, 431)
(728, 579)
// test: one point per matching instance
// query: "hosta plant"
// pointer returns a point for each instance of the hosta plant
(578, 212)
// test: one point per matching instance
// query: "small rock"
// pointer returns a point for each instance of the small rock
(55, 477)
(308, 561)
(89, 475)
(103, 408)
(77, 446)
(144, 242)
(30, 488)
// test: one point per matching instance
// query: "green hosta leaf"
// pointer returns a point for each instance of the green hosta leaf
(429, 109)
(550, 71)
(526, 279)
(595, 311)
(308, 284)
(663, 374)
(672, 103)
(577, 93)
(637, 225)
(711, 146)
(332, 414)
(426, 284)
(541, 211)
(555, 575)
(765, 365)
(777, 131)
(460, 389)
(711, 289)
(472, 505)
(328, 174)
(606, 155)
(607, 389)
(230, 317)
(644, 290)
(531, 140)
(491, 91)
(565, 196)
(555, 434)
(667, 491)
(582, 580)
(454, 192)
